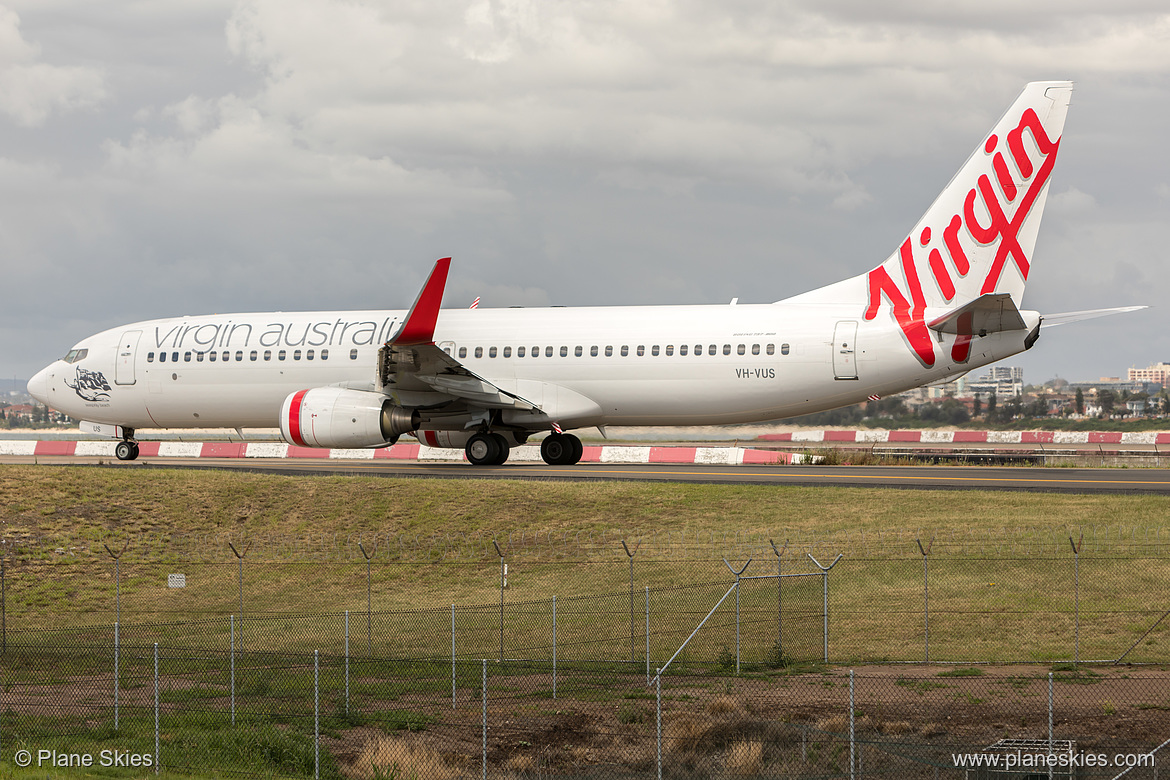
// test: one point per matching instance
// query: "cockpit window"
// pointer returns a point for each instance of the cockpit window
(76, 355)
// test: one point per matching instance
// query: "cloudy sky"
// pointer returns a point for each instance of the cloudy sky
(194, 156)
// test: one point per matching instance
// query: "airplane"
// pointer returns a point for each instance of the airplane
(485, 380)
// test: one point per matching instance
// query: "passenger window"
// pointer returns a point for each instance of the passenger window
(308, 354)
(609, 351)
(593, 351)
(268, 354)
(282, 354)
(174, 357)
(198, 357)
(682, 349)
(352, 354)
(253, 355)
(479, 352)
(162, 357)
(507, 352)
(212, 356)
(149, 357)
(699, 349)
(564, 351)
(741, 350)
(654, 350)
(625, 350)
(226, 356)
(548, 351)
(711, 350)
(491, 352)
(726, 349)
(519, 351)
(239, 355)
(578, 351)
(324, 354)
(462, 352)
(186, 357)
(783, 349)
(296, 354)
(755, 349)
(669, 350)
(641, 350)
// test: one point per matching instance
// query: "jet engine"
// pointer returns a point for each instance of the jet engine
(335, 417)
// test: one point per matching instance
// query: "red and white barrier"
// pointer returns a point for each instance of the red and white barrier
(970, 437)
(717, 456)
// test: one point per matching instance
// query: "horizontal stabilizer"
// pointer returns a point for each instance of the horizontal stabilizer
(1050, 320)
(991, 313)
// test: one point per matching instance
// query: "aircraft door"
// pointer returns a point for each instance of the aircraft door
(845, 350)
(127, 351)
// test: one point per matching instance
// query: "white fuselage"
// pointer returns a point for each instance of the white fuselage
(637, 365)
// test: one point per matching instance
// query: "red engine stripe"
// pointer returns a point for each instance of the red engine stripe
(294, 419)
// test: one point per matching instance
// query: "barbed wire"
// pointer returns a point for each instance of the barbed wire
(589, 545)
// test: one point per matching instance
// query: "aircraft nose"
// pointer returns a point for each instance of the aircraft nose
(38, 386)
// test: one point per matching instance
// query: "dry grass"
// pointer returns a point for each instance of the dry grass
(722, 705)
(390, 757)
(745, 759)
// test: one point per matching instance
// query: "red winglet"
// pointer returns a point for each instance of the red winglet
(419, 326)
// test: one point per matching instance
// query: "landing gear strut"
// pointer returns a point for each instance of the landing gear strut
(561, 449)
(487, 449)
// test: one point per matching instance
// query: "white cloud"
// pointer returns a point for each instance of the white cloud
(30, 90)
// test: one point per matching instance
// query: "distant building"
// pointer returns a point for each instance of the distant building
(1157, 373)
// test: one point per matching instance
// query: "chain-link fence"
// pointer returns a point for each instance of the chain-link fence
(250, 713)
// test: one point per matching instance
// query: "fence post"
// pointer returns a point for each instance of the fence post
(452, 656)
(737, 574)
(825, 576)
(852, 733)
(347, 662)
(4, 598)
(483, 700)
(1050, 722)
(658, 717)
(156, 757)
(117, 556)
(232, 619)
(779, 596)
(1076, 548)
(316, 715)
(502, 575)
(554, 647)
(647, 635)
(926, 589)
(369, 603)
(117, 677)
(633, 631)
(240, 559)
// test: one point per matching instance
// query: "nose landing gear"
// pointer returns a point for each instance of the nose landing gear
(127, 449)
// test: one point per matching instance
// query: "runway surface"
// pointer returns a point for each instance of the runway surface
(1062, 480)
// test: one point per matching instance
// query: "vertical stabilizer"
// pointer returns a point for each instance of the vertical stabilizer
(978, 235)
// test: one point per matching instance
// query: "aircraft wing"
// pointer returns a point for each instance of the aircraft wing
(410, 362)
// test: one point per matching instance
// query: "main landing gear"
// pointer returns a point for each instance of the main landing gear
(561, 449)
(487, 449)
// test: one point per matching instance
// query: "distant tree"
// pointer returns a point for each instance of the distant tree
(976, 406)
(991, 403)
(1080, 401)
(1107, 400)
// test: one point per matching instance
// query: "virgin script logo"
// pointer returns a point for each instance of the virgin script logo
(989, 201)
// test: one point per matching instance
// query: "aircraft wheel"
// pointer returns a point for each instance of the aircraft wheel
(483, 449)
(561, 449)
(504, 449)
(578, 449)
(126, 450)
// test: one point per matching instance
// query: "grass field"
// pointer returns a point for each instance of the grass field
(993, 596)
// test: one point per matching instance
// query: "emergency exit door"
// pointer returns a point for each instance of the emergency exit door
(845, 350)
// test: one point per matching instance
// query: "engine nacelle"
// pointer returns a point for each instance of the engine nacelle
(345, 419)
(457, 440)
